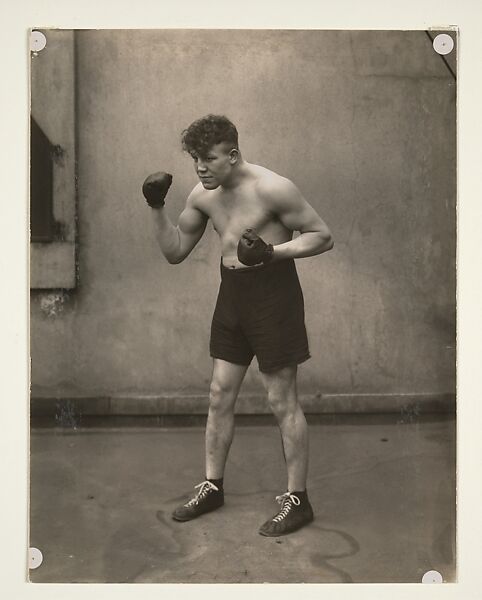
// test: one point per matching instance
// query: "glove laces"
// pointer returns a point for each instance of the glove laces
(286, 500)
(205, 488)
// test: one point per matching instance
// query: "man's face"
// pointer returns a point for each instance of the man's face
(215, 166)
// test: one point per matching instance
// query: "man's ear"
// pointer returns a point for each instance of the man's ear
(233, 156)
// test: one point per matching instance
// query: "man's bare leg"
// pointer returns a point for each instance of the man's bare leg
(295, 510)
(226, 381)
(283, 401)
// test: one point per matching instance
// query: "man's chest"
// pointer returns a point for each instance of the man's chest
(233, 214)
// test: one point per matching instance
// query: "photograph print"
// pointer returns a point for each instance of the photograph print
(242, 308)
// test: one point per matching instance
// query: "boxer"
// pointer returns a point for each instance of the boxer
(259, 309)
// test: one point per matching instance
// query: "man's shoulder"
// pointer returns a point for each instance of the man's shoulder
(272, 185)
(196, 191)
(197, 196)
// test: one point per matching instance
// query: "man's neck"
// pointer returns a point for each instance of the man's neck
(238, 175)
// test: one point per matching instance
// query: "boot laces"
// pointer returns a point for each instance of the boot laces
(205, 488)
(286, 500)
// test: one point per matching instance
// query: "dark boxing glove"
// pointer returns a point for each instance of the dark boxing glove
(252, 250)
(155, 188)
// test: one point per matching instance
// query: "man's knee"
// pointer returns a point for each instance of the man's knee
(281, 403)
(221, 397)
(281, 389)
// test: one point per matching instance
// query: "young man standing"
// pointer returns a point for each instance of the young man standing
(259, 310)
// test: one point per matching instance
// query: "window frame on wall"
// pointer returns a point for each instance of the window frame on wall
(52, 98)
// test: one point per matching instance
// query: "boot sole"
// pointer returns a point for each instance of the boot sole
(281, 534)
(181, 520)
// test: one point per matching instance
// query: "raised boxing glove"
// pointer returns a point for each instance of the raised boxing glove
(155, 188)
(253, 250)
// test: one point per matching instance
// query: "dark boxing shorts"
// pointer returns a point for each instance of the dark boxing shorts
(260, 311)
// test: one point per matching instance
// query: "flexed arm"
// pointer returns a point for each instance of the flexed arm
(176, 241)
(286, 202)
(297, 214)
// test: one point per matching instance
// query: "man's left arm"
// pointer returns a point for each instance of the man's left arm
(296, 214)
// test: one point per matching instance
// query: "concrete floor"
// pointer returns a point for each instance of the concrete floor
(383, 491)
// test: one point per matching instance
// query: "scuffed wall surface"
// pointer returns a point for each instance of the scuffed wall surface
(362, 122)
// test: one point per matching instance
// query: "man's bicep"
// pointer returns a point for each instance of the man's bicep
(296, 213)
(191, 225)
(301, 217)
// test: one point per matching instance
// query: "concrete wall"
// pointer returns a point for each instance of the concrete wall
(52, 91)
(363, 122)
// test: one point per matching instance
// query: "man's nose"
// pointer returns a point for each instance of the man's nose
(200, 165)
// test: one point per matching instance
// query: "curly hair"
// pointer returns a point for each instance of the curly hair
(207, 131)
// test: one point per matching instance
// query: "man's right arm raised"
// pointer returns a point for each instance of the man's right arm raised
(176, 241)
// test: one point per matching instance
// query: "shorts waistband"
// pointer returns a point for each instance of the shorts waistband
(282, 264)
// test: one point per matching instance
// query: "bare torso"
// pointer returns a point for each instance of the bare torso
(232, 211)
